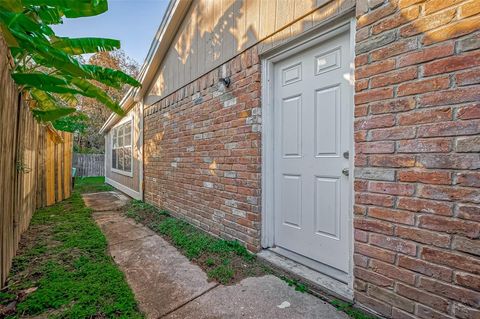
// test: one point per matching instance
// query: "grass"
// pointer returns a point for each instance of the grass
(350, 310)
(91, 184)
(224, 261)
(64, 257)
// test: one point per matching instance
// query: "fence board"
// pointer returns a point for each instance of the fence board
(89, 164)
(33, 168)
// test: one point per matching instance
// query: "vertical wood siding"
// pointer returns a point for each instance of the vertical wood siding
(35, 171)
(215, 31)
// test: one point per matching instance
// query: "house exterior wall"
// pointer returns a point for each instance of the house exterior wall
(132, 183)
(417, 213)
(215, 31)
(417, 131)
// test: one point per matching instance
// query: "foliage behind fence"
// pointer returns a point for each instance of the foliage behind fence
(35, 170)
(89, 164)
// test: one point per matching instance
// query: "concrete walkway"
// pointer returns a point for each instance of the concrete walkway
(167, 285)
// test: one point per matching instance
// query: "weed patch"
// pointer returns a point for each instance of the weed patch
(225, 261)
(63, 262)
(350, 310)
(91, 185)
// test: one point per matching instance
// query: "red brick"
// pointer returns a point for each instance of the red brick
(422, 297)
(464, 312)
(361, 110)
(453, 96)
(468, 77)
(423, 86)
(451, 31)
(425, 206)
(360, 261)
(469, 212)
(451, 259)
(449, 193)
(425, 268)
(377, 121)
(361, 60)
(427, 116)
(392, 215)
(373, 225)
(406, 3)
(375, 252)
(372, 277)
(393, 106)
(393, 77)
(451, 64)
(431, 145)
(449, 225)
(437, 5)
(471, 111)
(375, 148)
(373, 95)
(361, 235)
(391, 188)
(469, 8)
(400, 314)
(394, 244)
(426, 55)
(426, 177)
(393, 49)
(396, 20)
(390, 297)
(471, 179)
(468, 280)
(397, 161)
(427, 23)
(425, 312)
(468, 297)
(423, 236)
(455, 128)
(378, 306)
(470, 246)
(394, 133)
(361, 85)
(392, 271)
(374, 199)
(375, 15)
(374, 68)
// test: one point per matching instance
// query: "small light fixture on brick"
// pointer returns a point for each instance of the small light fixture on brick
(226, 81)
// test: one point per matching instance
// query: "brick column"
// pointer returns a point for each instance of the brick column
(417, 138)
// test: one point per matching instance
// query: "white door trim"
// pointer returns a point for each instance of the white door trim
(308, 40)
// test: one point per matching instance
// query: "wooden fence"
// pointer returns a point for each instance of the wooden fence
(89, 164)
(35, 165)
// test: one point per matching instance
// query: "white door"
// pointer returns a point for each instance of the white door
(312, 131)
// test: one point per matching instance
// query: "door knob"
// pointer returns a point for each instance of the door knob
(346, 171)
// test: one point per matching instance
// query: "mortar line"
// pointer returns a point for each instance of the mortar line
(189, 301)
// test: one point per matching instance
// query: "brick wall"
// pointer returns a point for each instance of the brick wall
(202, 152)
(417, 213)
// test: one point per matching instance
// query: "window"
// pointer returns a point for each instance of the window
(122, 147)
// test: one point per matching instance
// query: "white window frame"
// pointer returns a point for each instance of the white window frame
(112, 132)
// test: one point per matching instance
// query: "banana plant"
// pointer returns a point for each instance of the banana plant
(47, 67)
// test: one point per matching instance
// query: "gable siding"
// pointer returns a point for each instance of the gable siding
(215, 31)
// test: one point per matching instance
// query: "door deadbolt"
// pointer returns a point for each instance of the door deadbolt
(346, 154)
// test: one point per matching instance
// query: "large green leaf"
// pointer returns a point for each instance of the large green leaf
(50, 15)
(76, 122)
(45, 101)
(74, 8)
(90, 90)
(110, 77)
(85, 45)
(52, 114)
(11, 5)
(44, 82)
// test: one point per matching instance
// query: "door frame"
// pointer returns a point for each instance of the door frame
(311, 38)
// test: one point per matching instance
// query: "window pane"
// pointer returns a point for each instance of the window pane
(120, 141)
(114, 159)
(120, 158)
(127, 139)
(127, 159)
